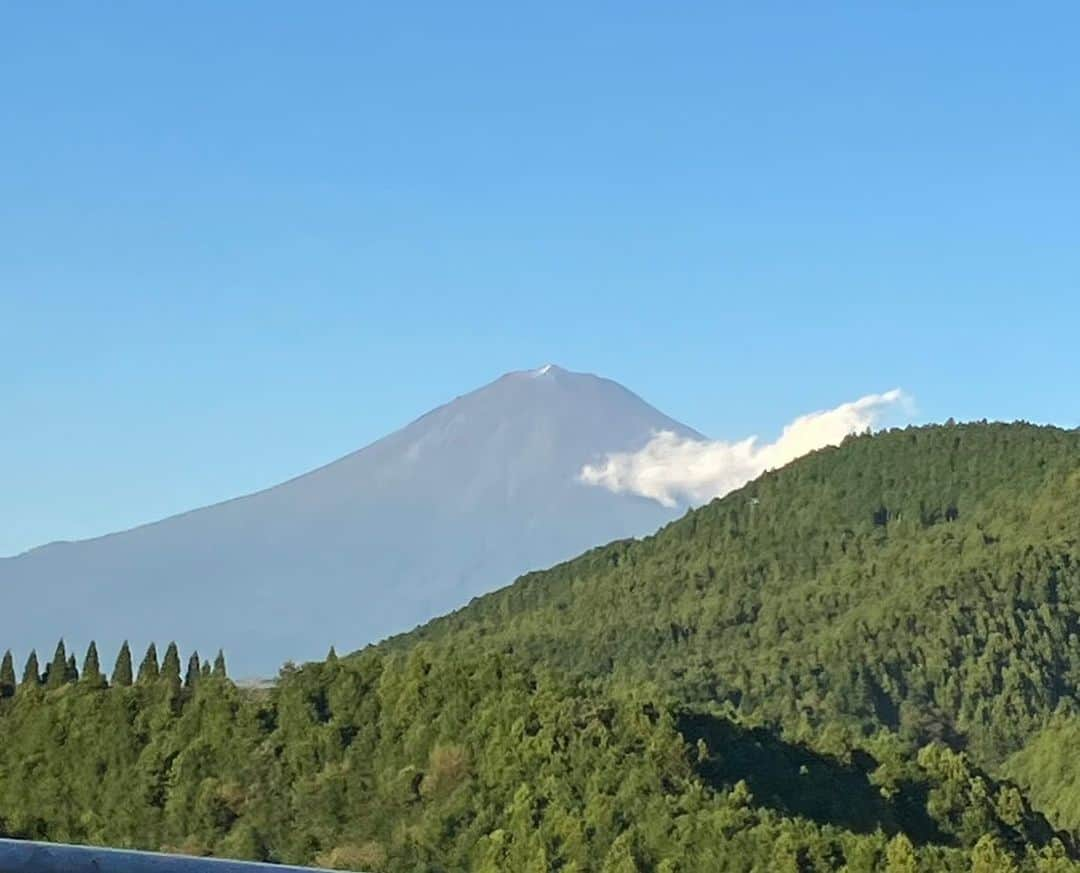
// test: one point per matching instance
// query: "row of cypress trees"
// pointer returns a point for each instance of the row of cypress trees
(63, 669)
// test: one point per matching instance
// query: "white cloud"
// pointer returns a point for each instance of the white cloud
(673, 469)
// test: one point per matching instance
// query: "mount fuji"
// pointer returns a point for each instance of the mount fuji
(457, 503)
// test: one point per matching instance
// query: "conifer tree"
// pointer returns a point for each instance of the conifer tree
(170, 673)
(219, 665)
(31, 672)
(91, 671)
(7, 675)
(204, 671)
(331, 656)
(71, 674)
(170, 664)
(121, 677)
(191, 679)
(149, 671)
(56, 672)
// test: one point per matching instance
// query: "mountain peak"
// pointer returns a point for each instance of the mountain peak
(548, 370)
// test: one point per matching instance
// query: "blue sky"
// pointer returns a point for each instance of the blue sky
(239, 240)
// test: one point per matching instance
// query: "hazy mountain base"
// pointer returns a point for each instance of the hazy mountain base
(827, 633)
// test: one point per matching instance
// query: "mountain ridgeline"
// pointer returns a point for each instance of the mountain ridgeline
(867, 660)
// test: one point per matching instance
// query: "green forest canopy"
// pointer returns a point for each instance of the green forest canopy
(866, 660)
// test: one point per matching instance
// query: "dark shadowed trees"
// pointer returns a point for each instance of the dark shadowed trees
(191, 678)
(7, 675)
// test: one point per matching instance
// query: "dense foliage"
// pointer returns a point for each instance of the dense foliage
(925, 581)
(840, 666)
(1048, 767)
(418, 762)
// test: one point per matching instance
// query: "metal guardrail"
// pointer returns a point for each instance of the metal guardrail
(22, 856)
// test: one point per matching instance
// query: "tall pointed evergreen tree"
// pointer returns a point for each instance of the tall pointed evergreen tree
(122, 673)
(32, 671)
(170, 672)
(149, 671)
(7, 675)
(170, 664)
(56, 672)
(204, 671)
(219, 665)
(91, 671)
(194, 669)
(331, 656)
(72, 672)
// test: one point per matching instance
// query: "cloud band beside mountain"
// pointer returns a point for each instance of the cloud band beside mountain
(673, 469)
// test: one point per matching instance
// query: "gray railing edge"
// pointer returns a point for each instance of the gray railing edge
(26, 856)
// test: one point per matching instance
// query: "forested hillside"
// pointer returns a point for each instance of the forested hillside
(422, 762)
(925, 581)
(865, 661)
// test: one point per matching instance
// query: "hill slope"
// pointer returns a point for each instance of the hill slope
(924, 580)
(469, 495)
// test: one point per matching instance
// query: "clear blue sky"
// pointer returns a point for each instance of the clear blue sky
(238, 240)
